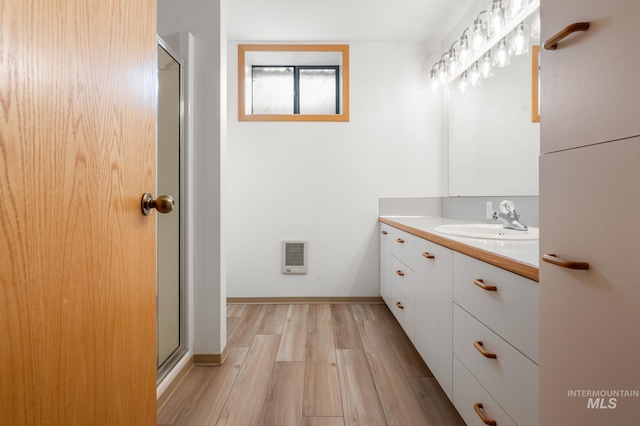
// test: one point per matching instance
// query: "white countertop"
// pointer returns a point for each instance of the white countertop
(522, 251)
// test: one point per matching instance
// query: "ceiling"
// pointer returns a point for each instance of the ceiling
(342, 20)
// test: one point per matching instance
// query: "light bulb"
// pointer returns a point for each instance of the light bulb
(474, 75)
(478, 35)
(516, 7)
(501, 58)
(435, 84)
(496, 19)
(519, 44)
(463, 82)
(441, 72)
(535, 25)
(464, 54)
(452, 62)
(486, 67)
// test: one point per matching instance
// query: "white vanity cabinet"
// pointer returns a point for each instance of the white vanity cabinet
(474, 324)
(590, 87)
(589, 318)
(386, 232)
(402, 280)
(433, 314)
(495, 338)
(589, 199)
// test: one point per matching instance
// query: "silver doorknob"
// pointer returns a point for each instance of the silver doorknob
(163, 204)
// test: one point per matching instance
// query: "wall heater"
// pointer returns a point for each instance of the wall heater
(294, 257)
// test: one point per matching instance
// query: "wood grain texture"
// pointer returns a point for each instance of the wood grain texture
(273, 320)
(246, 400)
(203, 407)
(322, 421)
(283, 403)
(77, 258)
(344, 328)
(322, 385)
(273, 392)
(408, 357)
(364, 311)
(434, 401)
(294, 336)
(360, 399)
(245, 330)
(400, 404)
(511, 265)
(175, 405)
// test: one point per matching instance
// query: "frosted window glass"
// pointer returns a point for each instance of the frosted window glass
(318, 91)
(272, 90)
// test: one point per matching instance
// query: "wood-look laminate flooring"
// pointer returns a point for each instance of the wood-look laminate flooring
(312, 365)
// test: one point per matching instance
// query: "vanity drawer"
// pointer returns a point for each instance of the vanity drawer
(402, 277)
(510, 377)
(467, 392)
(402, 246)
(508, 304)
(403, 311)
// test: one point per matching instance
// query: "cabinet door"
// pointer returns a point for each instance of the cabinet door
(589, 204)
(385, 262)
(433, 310)
(590, 90)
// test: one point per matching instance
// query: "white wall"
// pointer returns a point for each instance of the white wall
(206, 21)
(321, 181)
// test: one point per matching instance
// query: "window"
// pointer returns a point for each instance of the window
(295, 90)
(293, 83)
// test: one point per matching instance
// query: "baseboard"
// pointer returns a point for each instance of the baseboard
(377, 300)
(168, 386)
(210, 360)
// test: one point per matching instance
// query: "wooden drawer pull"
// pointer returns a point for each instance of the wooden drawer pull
(555, 260)
(552, 43)
(428, 255)
(399, 273)
(384, 232)
(399, 305)
(399, 240)
(480, 412)
(480, 348)
(480, 283)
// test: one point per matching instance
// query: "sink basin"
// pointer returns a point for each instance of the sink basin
(489, 231)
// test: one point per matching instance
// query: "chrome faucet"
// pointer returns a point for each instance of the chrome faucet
(508, 216)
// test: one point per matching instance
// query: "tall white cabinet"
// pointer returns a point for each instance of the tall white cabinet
(589, 201)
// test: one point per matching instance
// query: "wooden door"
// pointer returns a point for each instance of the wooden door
(77, 257)
(589, 319)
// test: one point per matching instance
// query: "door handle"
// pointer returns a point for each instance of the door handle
(163, 204)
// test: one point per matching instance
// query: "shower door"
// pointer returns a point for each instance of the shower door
(171, 337)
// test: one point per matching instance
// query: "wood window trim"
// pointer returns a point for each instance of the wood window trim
(342, 48)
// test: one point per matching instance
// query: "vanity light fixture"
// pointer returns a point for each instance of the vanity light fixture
(535, 25)
(463, 82)
(465, 51)
(486, 65)
(516, 6)
(474, 75)
(483, 46)
(519, 44)
(502, 57)
(478, 33)
(497, 19)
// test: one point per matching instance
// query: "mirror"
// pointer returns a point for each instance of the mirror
(493, 143)
(171, 337)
